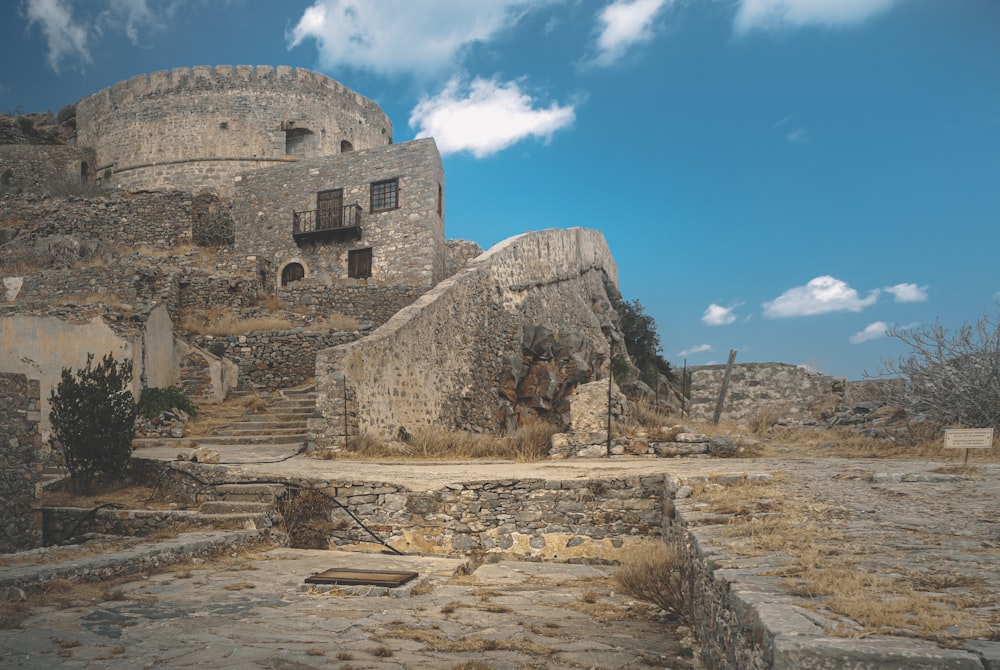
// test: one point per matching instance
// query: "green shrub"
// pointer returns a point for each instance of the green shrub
(153, 401)
(93, 420)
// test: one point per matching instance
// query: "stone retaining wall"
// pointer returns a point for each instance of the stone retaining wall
(20, 462)
(527, 518)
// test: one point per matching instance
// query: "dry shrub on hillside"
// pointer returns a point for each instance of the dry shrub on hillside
(222, 322)
(530, 443)
(656, 572)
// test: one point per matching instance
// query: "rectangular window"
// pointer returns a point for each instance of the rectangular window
(359, 263)
(385, 195)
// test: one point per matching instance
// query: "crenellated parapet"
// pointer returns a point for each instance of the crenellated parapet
(196, 128)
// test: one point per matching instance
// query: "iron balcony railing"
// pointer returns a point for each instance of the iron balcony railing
(314, 221)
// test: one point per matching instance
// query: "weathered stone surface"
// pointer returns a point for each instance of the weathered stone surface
(205, 455)
(722, 446)
(20, 463)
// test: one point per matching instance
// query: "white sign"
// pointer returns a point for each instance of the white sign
(968, 438)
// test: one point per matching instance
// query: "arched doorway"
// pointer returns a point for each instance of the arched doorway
(291, 273)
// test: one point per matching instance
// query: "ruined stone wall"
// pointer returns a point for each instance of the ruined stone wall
(440, 360)
(81, 228)
(274, 359)
(38, 168)
(407, 243)
(459, 253)
(20, 462)
(196, 128)
(781, 390)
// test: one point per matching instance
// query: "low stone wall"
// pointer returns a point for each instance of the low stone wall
(20, 462)
(781, 390)
(65, 523)
(578, 519)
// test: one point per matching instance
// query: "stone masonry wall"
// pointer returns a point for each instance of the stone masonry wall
(196, 128)
(274, 359)
(784, 391)
(38, 168)
(20, 463)
(407, 243)
(439, 361)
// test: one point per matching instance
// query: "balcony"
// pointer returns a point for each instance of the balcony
(327, 225)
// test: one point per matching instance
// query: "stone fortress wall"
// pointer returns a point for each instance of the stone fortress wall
(440, 361)
(196, 128)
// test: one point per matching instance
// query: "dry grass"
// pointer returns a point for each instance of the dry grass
(133, 496)
(215, 415)
(220, 322)
(531, 443)
(436, 641)
(825, 566)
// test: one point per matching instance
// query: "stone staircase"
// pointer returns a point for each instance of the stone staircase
(279, 431)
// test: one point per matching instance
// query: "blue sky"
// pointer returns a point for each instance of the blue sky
(787, 178)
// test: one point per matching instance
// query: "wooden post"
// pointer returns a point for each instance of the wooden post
(725, 386)
(684, 388)
(611, 377)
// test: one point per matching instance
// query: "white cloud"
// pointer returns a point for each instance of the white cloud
(907, 292)
(624, 23)
(872, 331)
(397, 36)
(797, 136)
(66, 37)
(717, 315)
(821, 295)
(698, 349)
(130, 16)
(778, 14)
(485, 117)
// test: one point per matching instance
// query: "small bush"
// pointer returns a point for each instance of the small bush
(655, 573)
(153, 401)
(93, 420)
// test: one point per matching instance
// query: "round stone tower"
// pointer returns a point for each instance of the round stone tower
(195, 129)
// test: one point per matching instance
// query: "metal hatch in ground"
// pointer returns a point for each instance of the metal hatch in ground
(349, 577)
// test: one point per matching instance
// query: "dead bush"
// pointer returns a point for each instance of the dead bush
(307, 517)
(655, 572)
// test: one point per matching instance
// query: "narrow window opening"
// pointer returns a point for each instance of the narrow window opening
(83, 172)
(385, 195)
